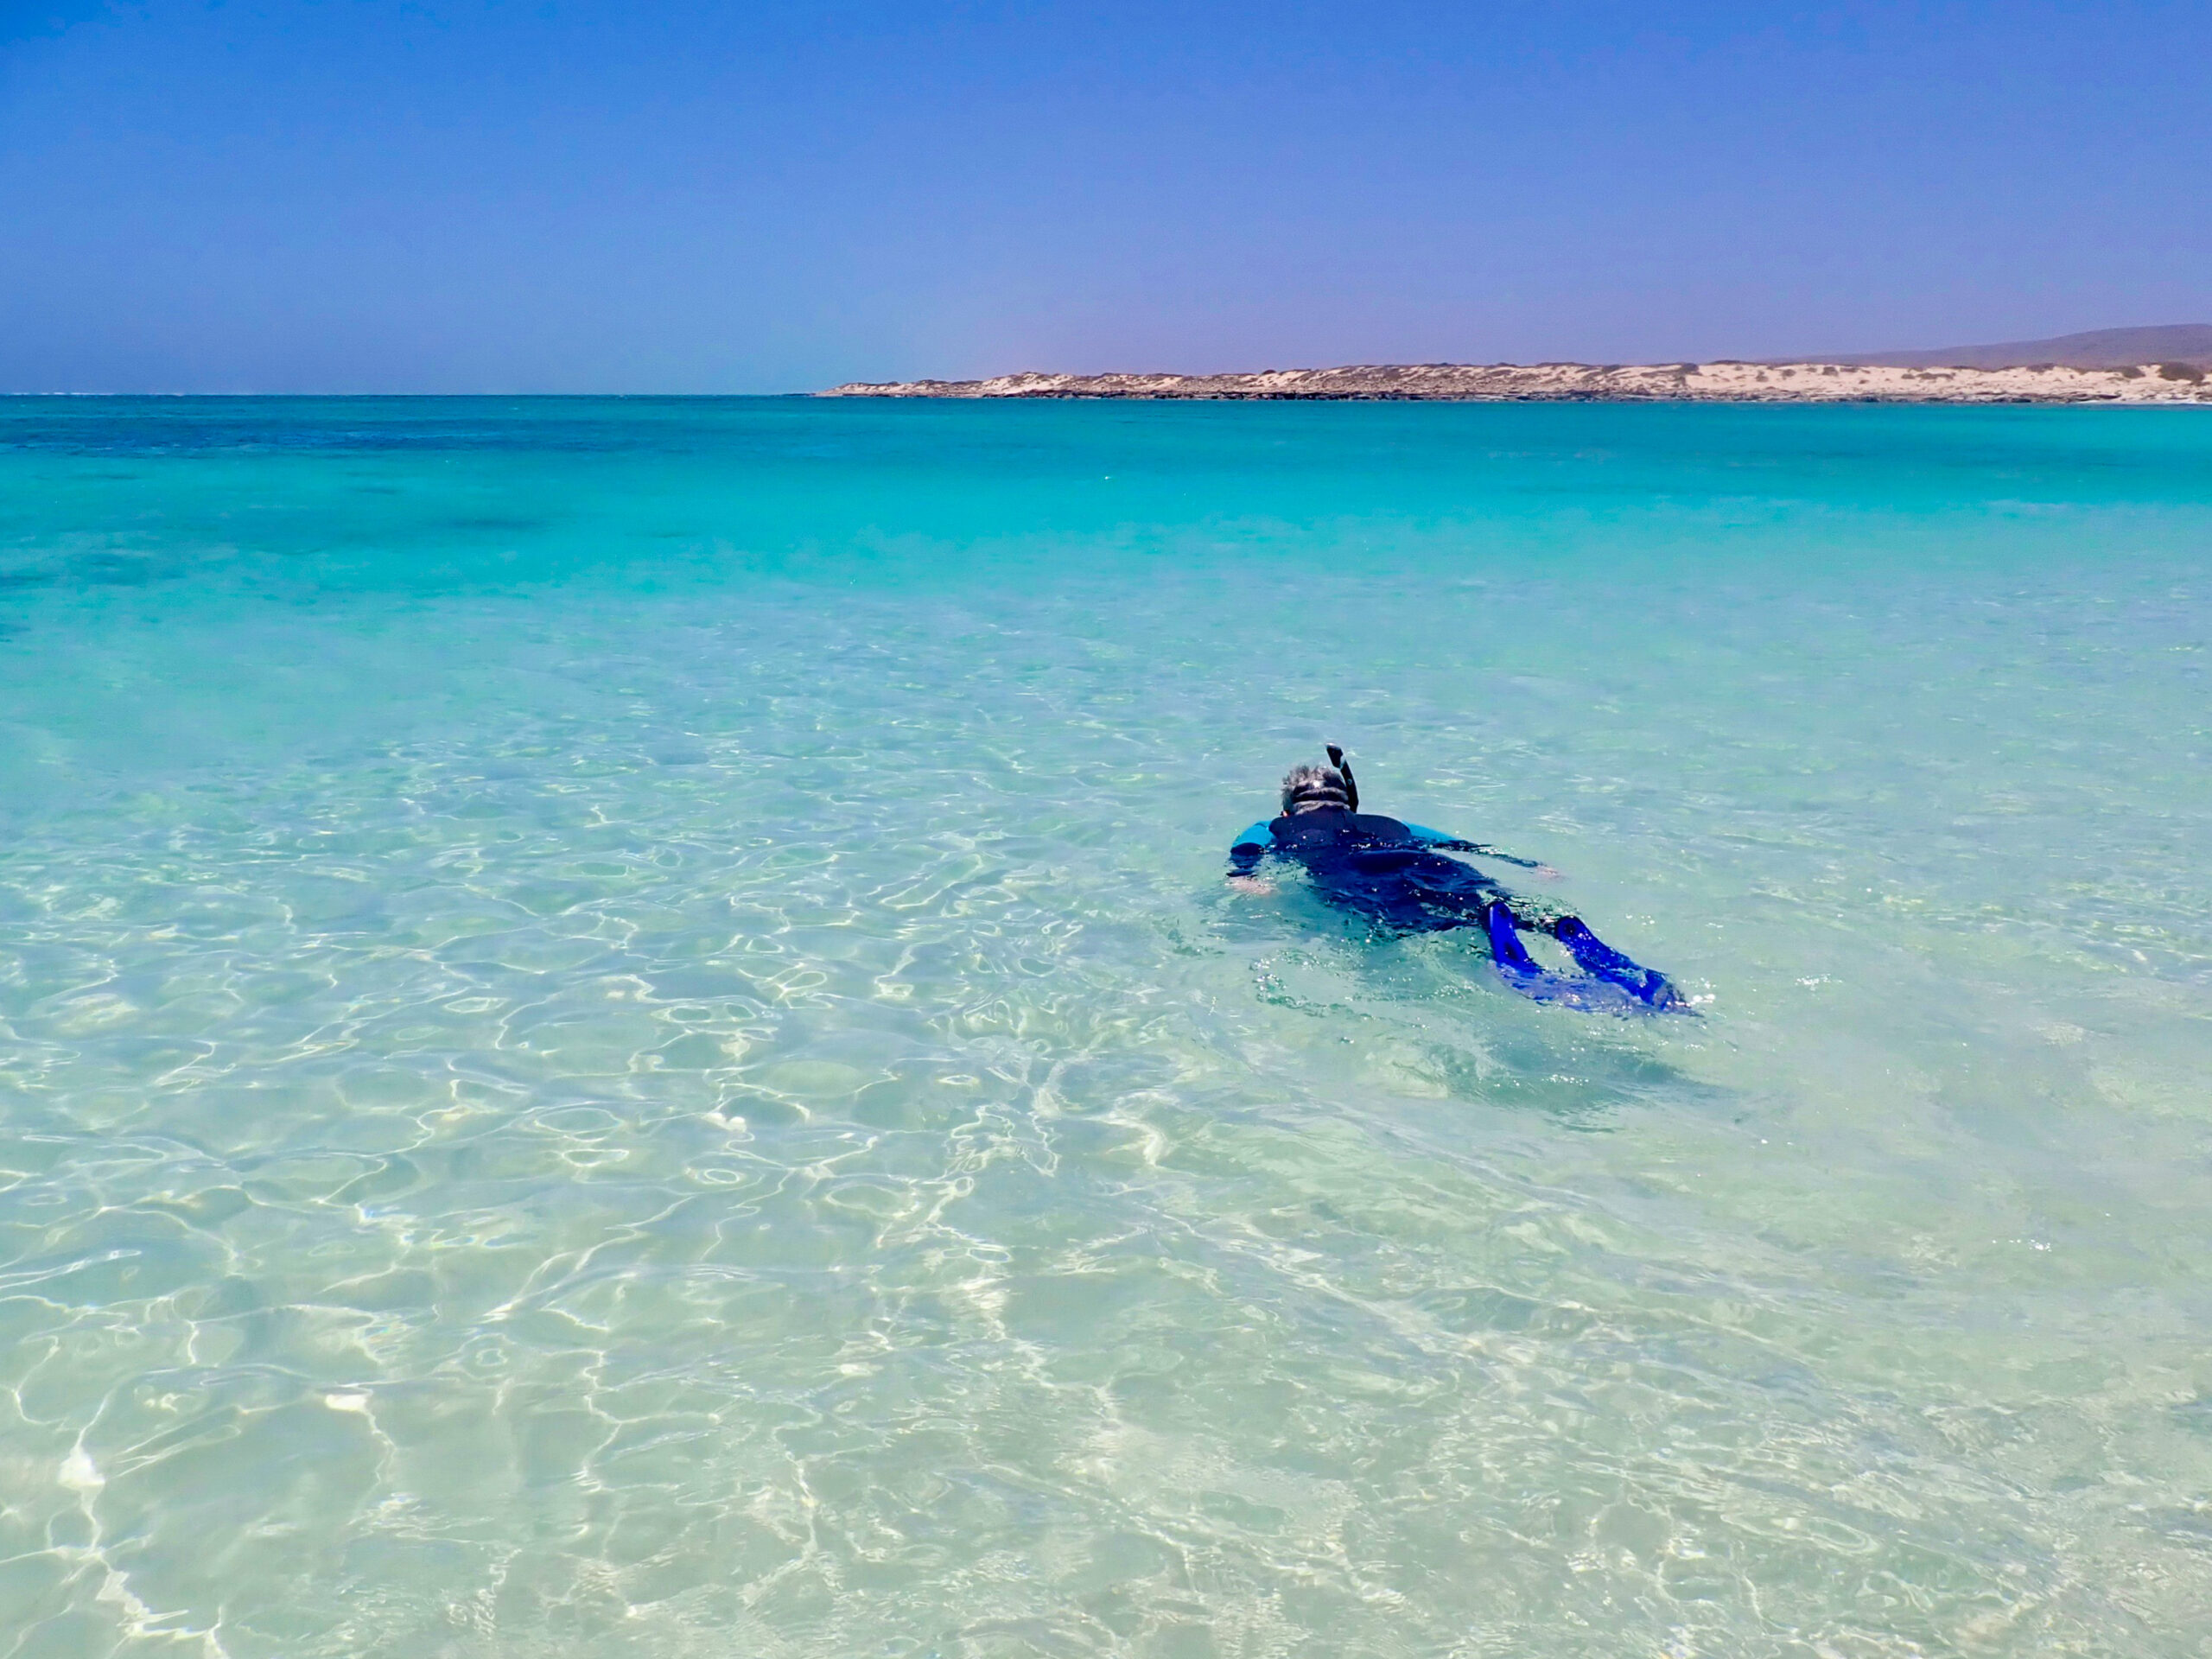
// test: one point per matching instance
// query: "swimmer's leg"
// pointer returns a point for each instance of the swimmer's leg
(1593, 955)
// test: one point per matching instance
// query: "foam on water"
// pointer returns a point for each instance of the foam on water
(618, 1033)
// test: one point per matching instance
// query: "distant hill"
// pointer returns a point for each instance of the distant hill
(2101, 349)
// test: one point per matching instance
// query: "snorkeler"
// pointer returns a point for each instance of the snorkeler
(1397, 876)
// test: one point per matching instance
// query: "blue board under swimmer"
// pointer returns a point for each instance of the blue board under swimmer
(1397, 876)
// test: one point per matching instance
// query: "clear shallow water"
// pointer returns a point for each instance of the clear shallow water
(619, 1033)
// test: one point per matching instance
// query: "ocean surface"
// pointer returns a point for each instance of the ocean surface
(620, 1032)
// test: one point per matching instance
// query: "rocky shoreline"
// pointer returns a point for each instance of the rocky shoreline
(1754, 383)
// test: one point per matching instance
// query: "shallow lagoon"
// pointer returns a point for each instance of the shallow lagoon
(618, 1033)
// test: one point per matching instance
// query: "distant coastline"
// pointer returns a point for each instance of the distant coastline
(1727, 382)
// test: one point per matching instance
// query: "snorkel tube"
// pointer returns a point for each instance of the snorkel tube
(1352, 785)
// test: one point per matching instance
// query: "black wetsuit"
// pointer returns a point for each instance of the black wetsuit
(1397, 876)
(1389, 872)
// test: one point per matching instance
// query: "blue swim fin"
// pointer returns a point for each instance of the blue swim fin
(1593, 955)
(1527, 976)
(1592, 991)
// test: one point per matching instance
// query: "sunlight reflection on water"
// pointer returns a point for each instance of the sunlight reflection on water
(621, 1035)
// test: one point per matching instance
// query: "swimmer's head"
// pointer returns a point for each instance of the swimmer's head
(1314, 789)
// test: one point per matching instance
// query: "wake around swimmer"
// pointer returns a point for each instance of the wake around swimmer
(1397, 876)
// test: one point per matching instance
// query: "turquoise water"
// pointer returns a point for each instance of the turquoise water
(619, 1033)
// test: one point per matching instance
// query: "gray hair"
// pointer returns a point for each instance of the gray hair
(1311, 786)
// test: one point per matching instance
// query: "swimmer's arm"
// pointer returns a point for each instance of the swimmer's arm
(1244, 858)
(1443, 842)
(1437, 838)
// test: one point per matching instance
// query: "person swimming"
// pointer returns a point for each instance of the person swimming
(1395, 875)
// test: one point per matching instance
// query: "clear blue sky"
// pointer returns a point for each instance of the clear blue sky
(576, 195)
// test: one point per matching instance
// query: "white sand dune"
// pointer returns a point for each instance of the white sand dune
(2147, 383)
